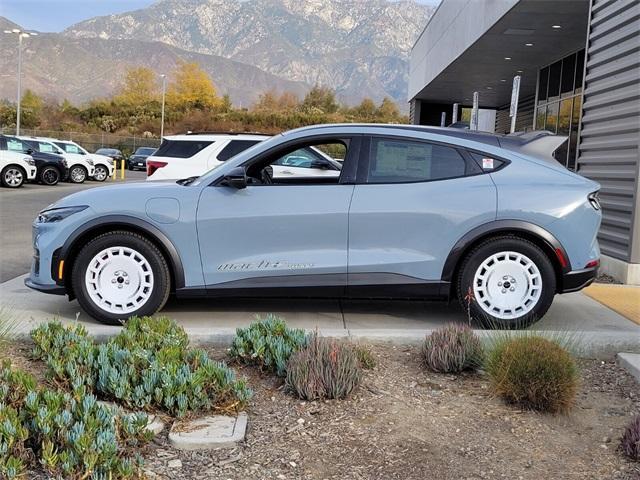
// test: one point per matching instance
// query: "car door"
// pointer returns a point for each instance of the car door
(413, 201)
(274, 237)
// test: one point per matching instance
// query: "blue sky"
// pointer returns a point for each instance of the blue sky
(56, 15)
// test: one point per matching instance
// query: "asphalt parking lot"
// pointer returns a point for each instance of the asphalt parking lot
(18, 208)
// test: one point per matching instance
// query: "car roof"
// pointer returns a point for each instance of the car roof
(194, 137)
(516, 141)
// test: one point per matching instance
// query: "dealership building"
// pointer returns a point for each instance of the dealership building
(579, 68)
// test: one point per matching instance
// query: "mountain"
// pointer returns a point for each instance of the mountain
(58, 66)
(358, 47)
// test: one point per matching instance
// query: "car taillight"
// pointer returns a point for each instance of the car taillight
(153, 165)
(594, 200)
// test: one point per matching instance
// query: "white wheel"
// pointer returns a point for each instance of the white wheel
(78, 174)
(101, 173)
(119, 280)
(12, 177)
(507, 285)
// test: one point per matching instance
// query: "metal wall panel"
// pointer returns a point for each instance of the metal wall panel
(610, 128)
(524, 118)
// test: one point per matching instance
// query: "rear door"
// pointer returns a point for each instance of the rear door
(413, 201)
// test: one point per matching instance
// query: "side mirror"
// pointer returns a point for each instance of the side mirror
(29, 151)
(319, 165)
(236, 178)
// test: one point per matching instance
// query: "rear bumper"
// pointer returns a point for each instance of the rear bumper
(52, 289)
(578, 279)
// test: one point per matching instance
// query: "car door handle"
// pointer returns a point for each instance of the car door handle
(287, 172)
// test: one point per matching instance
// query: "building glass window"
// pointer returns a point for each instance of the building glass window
(559, 103)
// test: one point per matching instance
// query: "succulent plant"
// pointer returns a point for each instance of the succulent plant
(452, 349)
(268, 343)
(630, 441)
(148, 365)
(325, 368)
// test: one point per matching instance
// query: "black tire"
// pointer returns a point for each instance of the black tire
(104, 170)
(79, 172)
(13, 176)
(161, 275)
(477, 256)
(50, 176)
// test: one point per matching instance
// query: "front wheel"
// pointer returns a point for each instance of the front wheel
(118, 275)
(506, 282)
(12, 176)
(101, 173)
(78, 174)
(50, 176)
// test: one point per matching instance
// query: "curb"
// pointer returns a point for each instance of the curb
(631, 363)
(601, 345)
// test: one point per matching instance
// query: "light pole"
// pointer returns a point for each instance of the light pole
(21, 34)
(164, 89)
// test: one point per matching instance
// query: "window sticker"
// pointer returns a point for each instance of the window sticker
(487, 163)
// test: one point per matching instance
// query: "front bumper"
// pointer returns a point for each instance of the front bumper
(578, 279)
(52, 289)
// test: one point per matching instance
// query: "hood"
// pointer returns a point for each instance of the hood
(132, 195)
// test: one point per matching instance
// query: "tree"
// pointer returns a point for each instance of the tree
(271, 102)
(192, 88)
(388, 110)
(139, 87)
(320, 98)
(366, 110)
(31, 105)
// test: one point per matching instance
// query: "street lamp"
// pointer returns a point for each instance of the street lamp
(164, 89)
(21, 34)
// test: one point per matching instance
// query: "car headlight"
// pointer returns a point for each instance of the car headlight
(58, 214)
(30, 161)
(90, 162)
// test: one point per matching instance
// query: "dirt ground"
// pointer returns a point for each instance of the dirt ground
(407, 423)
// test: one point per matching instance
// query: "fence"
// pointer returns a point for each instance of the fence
(92, 141)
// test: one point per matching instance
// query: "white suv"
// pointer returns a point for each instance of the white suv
(80, 167)
(191, 155)
(103, 165)
(15, 167)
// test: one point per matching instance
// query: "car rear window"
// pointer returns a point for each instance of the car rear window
(181, 148)
(235, 147)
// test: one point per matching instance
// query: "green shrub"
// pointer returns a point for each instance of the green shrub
(325, 368)
(69, 436)
(452, 349)
(268, 343)
(147, 366)
(366, 360)
(533, 372)
(630, 441)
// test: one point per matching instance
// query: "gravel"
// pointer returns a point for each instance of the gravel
(406, 423)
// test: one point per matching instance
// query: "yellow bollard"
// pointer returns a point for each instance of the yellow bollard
(115, 170)
(122, 170)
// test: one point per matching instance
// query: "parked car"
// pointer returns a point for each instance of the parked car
(51, 168)
(112, 153)
(138, 161)
(15, 167)
(80, 167)
(416, 212)
(103, 165)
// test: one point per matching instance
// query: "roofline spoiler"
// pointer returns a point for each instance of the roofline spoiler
(542, 143)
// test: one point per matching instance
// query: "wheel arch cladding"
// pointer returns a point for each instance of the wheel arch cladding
(517, 228)
(85, 233)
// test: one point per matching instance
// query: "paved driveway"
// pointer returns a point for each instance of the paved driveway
(18, 208)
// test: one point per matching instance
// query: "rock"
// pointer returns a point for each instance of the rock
(155, 424)
(174, 463)
(206, 433)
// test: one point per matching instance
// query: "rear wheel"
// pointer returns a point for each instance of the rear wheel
(506, 282)
(118, 275)
(12, 176)
(50, 176)
(101, 173)
(77, 174)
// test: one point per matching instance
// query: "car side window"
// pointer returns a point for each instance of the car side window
(401, 161)
(45, 147)
(486, 162)
(234, 147)
(301, 158)
(181, 148)
(15, 145)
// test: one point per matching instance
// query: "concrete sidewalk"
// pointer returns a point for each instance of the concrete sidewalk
(600, 330)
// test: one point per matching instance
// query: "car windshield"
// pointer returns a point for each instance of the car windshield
(108, 151)
(145, 151)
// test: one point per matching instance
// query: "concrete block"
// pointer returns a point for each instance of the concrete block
(631, 363)
(208, 433)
